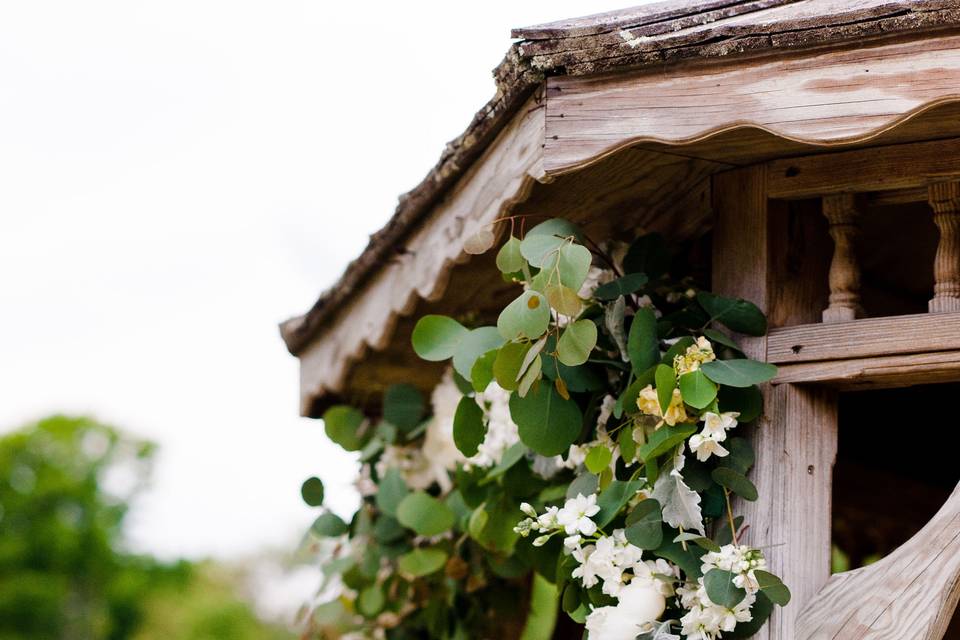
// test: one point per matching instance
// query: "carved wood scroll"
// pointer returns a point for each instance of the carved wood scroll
(912, 593)
(944, 198)
(841, 212)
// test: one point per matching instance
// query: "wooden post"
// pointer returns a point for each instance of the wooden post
(841, 212)
(944, 199)
(796, 438)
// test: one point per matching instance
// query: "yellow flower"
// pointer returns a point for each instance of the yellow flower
(649, 404)
(696, 354)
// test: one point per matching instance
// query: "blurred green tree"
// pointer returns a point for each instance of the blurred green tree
(65, 487)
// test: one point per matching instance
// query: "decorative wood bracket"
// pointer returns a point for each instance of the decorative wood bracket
(944, 198)
(841, 212)
(912, 593)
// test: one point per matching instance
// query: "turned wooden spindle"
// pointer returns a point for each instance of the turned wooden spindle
(944, 199)
(841, 212)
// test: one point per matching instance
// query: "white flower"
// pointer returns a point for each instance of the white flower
(548, 520)
(572, 542)
(575, 515)
(705, 447)
(707, 442)
(501, 429)
(606, 410)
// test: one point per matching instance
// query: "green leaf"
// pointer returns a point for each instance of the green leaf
(701, 541)
(481, 374)
(342, 425)
(718, 337)
(387, 530)
(741, 456)
(542, 618)
(526, 317)
(664, 440)
(642, 344)
(312, 492)
(492, 525)
(737, 314)
(773, 587)
(585, 484)
(645, 525)
(613, 499)
(621, 286)
(564, 299)
(546, 238)
(747, 401)
(569, 265)
(628, 446)
(721, 590)
(738, 373)
(422, 562)
(687, 559)
(329, 525)
(476, 343)
(760, 611)
(666, 382)
(736, 482)
(506, 367)
(598, 458)
(480, 242)
(697, 390)
(648, 254)
(510, 457)
(371, 601)
(468, 428)
(724, 535)
(509, 258)
(436, 338)
(531, 375)
(403, 406)
(424, 514)
(577, 341)
(547, 423)
(391, 491)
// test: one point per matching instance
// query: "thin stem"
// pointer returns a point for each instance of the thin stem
(733, 528)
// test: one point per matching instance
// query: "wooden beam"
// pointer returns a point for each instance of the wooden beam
(796, 437)
(420, 270)
(918, 333)
(875, 373)
(899, 166)
(912, 593)
(831, 97)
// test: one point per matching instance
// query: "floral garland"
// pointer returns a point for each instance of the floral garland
(579, 457)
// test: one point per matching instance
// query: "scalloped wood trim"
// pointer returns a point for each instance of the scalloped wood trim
(832, 97)
(421, 269)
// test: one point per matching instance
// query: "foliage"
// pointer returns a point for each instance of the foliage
(65, 488)
(581, 444)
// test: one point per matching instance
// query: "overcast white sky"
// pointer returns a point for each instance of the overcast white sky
(176, 178)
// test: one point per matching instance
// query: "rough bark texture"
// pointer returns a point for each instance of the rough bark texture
(649, 36)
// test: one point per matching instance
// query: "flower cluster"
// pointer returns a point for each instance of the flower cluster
(706, 620)
(715, 427)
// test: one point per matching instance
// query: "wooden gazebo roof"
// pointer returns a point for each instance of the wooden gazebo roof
(733, 82)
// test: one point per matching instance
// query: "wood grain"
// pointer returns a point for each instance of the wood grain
(823, 98)
(842, 213)
(901, 166)
(945, 202)
(502, 177)
(795, 439)
(918, 333)
(911, 593)
(875, 373)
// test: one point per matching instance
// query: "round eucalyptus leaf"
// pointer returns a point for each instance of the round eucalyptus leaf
(436, 337)
(422, 562)
(738, 373)
(721, 590)
(480, 242)
(312, 491)
(476, 343)
(642, 343)
(342, 425)
(468, 428)
(424, 514)
(773, 587)
(371, 601)
(547, 423)
(546, 238)
(525, 317)
(623, 286)
(577, 342)
(598, 458)
(509, 258)
(329, 525)
(403, 406)
(391, 491)
(645, 525)
(507, 366)
(569, 265)
(564, 299)
(697, 390)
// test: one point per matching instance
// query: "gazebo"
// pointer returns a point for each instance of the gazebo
(806, 155)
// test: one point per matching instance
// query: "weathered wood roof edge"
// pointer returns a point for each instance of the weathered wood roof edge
(651, 35)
